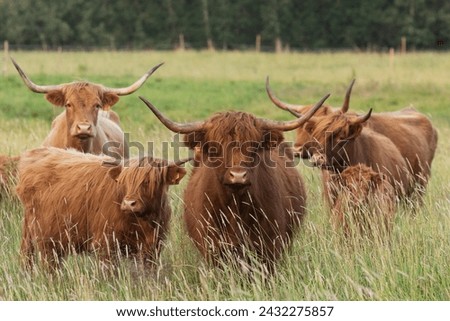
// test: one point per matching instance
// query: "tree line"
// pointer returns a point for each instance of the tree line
(226, 24)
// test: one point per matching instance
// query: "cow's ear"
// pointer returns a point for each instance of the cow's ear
(175, 174)
(56, 97)
(109, 100)
(115, 171)
(354, 130)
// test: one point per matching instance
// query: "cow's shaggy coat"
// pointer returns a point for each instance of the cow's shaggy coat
(245, 199)
(77, 202)
(364, 201)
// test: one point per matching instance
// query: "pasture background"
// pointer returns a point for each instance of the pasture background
(191, 86)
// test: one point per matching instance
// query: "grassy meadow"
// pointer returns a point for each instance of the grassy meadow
(320, 265)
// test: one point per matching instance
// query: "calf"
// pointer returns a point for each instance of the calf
(77, 202)
(363, 201)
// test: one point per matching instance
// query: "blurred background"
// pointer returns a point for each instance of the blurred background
(269, 25)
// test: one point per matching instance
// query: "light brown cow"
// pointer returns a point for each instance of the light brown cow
(364, 202)
(410, 131)
(245, 198)
(87, 123)
(76, 202)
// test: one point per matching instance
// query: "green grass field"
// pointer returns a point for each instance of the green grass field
(193, 85)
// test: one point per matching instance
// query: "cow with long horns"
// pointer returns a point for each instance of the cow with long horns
(76, 202)
(244, 198)
(410, 131)
(341, 140)
(87, 122)
(302, 137)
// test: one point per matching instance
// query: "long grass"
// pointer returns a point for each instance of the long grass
(321, 264)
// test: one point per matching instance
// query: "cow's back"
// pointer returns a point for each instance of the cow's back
(414, 136)
(56, 190)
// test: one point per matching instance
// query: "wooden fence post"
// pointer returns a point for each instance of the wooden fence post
(258, 43)
(181, 45)
(403, 45)
(278, 45)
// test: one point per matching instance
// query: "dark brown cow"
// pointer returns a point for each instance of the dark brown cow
(302, 137)
(87, 122)
(364, 201)
(341, 140)
(410, 131)
(244, 198)
(77, 202)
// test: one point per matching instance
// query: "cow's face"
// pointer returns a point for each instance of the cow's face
(329, 138)
(303, 136)
(233, 144)
(82, 102)
(143, 187)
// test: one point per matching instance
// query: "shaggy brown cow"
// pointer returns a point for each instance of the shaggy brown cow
(8, 173)
(341, 141)
(245, 198)
(302, 137)
(87, 123)
(77, 202)
(364, 201)
(410, 131)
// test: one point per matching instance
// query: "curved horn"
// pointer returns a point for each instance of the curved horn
(346, 104)
(363, 118)
(292, 124)
(131, 89)
(173, 126)
(295, 113)
(279, 103)
(31, 85)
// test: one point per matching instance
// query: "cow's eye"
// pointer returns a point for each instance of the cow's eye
(68, 105)
(98, 106)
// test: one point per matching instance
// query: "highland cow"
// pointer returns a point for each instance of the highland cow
(410, 131)
(77, 202)
(87, 122)
(245, 199)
